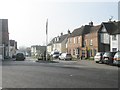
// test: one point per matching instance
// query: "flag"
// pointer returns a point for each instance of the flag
(46, 26)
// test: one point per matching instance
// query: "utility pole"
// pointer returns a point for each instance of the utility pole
(46, 38)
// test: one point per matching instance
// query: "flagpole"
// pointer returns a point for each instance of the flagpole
(46, 38)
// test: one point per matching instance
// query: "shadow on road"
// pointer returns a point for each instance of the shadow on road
(44, 61)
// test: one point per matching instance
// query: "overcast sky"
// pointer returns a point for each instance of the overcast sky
(27, 18)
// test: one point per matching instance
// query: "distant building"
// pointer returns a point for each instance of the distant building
(4, 38)
(12, 48)
(37, 50)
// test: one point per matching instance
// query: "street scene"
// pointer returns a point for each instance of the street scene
(57, 74)
(59, 44)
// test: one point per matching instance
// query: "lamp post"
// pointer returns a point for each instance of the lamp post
(46, 37)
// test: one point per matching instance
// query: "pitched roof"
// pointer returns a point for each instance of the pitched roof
(80, 31)
(95, 28)
(112, 27)
(62, 38)
(117, 31)
(49, 44)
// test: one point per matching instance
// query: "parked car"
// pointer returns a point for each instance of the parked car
(20, 56)
(55, 54)
(116, 60)
(65, 56)
(108, 57)
(98, 58)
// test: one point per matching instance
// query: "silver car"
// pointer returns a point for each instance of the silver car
(98, 58)
(116, 60)
(65, 56)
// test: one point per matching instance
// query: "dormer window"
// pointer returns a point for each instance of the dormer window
(55, 39)
(58, 38)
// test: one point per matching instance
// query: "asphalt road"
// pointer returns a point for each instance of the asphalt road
(64, 74)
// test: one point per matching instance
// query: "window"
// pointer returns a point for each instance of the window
(74, 39)
(91, 42)
(105, 38)
(83, 53)
(114, 49)
(73, 51)
(70, 40)
(78, 39)
(114, 37)
(84, 43)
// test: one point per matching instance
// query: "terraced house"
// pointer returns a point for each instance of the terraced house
(76, 41)
(87, 40)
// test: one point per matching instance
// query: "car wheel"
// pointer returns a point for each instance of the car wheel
(97, 61)
(118, 65)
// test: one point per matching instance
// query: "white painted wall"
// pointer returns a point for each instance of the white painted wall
(119, 42)
(115, 43)
(105, 37)
(49, 49)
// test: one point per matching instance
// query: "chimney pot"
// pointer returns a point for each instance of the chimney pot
(61, 34)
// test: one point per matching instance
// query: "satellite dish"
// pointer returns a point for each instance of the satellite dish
(111, 18)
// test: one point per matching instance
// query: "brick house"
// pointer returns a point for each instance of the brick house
(87, 40)
(91, 41)
(76, 43)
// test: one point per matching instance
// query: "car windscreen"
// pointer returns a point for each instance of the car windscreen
(68, 55)
(117, 55)
(56, 52)
(20, 54)
(107, 54)
(98, 54)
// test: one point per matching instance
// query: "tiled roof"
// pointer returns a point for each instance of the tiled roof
(95, 28)
(117, 31)
(80, 31)
(112, 27)
(49, 44)
(61, 38)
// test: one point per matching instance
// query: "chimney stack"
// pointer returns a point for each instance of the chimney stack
(69, 31)
(61, 34)
(91, 23)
